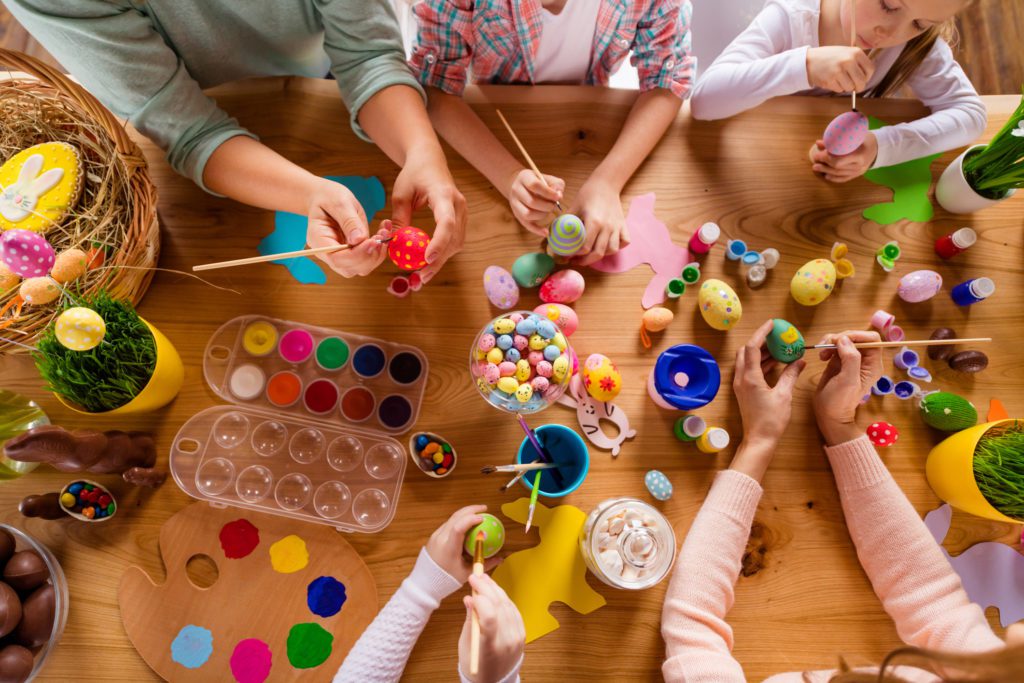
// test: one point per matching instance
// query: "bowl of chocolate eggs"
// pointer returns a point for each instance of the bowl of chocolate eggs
(521, 362)
(33, 604)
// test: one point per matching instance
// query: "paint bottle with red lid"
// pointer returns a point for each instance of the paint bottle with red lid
(705, 238)
(955, 243)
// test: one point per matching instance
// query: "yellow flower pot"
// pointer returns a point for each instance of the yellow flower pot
(950, 471)
(163, 386)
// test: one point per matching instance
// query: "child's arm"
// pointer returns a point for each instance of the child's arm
(909, 573)
(502, 634)
(698, 640)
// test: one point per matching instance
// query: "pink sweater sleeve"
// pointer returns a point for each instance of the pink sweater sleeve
(698, 641)
(917, 586)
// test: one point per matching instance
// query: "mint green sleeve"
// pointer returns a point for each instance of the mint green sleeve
(364, 44)
(114, 51)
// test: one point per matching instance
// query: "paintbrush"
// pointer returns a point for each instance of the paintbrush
(853, 43)
(283, 255)
(541, 451)
(533, 166)
(474, 632)
(918, 342)
(533, 501)
(513, 480)
(521, 467)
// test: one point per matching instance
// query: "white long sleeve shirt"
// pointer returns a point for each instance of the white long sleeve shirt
(769, 59)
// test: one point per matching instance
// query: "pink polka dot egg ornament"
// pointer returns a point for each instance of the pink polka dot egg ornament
(408, 248)
(883, 434)
(846, 133)
(26, 253)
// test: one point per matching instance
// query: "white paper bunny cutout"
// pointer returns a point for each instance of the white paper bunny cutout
(19, 201)
(590, 412)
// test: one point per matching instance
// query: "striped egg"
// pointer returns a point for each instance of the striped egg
(567, 235)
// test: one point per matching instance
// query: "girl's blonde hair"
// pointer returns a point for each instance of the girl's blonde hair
(911, 57)
(1001, 666)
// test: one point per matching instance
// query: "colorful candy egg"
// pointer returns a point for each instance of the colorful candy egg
(719, 305)
(501, 291)
(69, 266)
(560, 314)
(846, 133)
(785, 342)
(658, 485)
(80, 329)
(948, 412)
(883, 434)
(38, 291)
(494, 536)
(563, 287)
(508, 384)
(601, 378)
(814, 282)
(26, 253)
(529, 270)
(919, 285)
(524, 393)
(567, 235)
(408, 248)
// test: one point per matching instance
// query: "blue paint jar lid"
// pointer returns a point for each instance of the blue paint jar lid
(686, 376)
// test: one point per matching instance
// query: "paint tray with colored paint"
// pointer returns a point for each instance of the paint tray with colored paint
(341, 476)
(308, 371)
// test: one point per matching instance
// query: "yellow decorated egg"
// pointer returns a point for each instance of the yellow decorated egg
(69, 266)
(38, 290)
(80, 329)
(719, 305)
(814, 282)
(38, 186)
(601, 378)
(508, 384)
(559, 368)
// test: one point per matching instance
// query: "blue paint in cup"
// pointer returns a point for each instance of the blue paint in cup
(568, 449)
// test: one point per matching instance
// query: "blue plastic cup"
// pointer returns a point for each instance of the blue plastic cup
(568, 449)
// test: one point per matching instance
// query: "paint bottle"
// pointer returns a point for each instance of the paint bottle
(955, 243)
(735, 249)
(713, 440)
(705, 238)
(972, 291)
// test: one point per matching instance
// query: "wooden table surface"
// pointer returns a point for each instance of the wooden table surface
(803, 600)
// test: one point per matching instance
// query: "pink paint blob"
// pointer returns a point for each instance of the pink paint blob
(251, 661)
(296, 346)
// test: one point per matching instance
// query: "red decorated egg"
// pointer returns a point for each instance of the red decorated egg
(883, 434)
(408, 248)
(561, 315)
(563, 287)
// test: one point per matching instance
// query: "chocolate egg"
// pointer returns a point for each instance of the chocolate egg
(601, 378)
(785, 342)
(10, 609)
(7, 544)
(70, 265)
(941, 351)
(561, 315)
(25, 571)
(16, 664)
(500, 288)
(814, 282)
(719, 305)
(529, 270)
(968, 361)
(919, 285)
(563, 287)
(37, 615)
(846, 133)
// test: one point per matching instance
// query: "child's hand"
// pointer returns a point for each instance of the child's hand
(336, 217)
(845, 168)
(838, 68)
(600, 208)
(502, 634)
(849, 376)
(445, 544)
(532, 202)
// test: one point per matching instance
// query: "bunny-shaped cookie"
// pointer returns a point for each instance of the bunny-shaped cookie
(34, 199)
(590, 412)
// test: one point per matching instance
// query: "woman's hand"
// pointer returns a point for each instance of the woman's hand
(502, 634)
(533, 202)
(849, 376)
(336, 218)
(765, 410)
(600, 208)
(845, 168)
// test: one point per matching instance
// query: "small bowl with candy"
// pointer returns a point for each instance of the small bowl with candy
(33, 604)
(87, 501)
(521, 362)
(433, 455)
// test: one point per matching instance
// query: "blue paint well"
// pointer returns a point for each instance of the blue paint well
(290, 229)
(325, 596)
(192, 646)
(368, 360)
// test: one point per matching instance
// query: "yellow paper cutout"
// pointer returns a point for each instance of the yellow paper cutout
(551, 571)
(39, 185)
(289, 555)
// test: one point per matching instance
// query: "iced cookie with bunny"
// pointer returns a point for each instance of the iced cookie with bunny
(39, 185)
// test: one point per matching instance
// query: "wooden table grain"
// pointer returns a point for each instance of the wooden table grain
(803, 599)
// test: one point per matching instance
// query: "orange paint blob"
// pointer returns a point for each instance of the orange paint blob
(284, 388)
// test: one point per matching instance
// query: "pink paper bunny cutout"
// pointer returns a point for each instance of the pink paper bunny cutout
(18, 201)
(590, 412)
(651, 244)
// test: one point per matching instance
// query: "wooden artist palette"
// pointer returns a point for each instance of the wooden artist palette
(254, 623)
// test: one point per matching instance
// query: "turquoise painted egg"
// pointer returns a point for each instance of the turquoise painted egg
(785, 342)
(529, 270)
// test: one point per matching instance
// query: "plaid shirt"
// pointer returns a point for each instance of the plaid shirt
(497, 41)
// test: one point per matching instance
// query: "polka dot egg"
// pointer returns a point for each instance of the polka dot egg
(26, 253)
(80, 329)
(501, 289)
(846, 133)
(408, 248)
(883, 434)
(719, 305)
(814, 282)
(658, 485)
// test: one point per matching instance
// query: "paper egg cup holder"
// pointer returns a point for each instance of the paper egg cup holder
(291, 461)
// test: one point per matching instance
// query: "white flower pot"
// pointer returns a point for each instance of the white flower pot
(956, 195)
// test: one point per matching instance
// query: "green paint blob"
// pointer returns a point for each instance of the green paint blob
(309, 645)
(909, 183)
(332, 353)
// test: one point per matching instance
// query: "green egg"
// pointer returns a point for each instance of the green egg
(785, 342)
(529, 270)
(948, 412)
(494, 536)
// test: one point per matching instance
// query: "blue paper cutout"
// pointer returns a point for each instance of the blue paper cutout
(290, 229)
(909, 183)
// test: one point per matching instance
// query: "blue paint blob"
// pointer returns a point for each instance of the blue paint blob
(192, 646)
(325, 596)
(368, 360)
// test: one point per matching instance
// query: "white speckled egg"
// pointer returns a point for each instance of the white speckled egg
(814, 282)
(500, 287)
(719, 305)
(919, 285)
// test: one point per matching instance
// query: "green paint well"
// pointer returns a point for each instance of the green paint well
(309, 645)
(332, 353)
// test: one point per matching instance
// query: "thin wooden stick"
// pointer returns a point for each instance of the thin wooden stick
(474, 631)
(525, 154)
(853, 42)
(918, 342)
(270, 257)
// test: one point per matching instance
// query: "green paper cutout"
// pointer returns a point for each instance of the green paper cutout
(909, 182)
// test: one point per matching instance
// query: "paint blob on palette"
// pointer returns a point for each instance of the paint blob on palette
(335, 475)
(317, 372)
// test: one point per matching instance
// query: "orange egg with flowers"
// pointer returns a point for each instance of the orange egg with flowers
(408, 248)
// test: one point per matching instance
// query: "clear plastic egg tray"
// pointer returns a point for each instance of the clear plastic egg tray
(340, 476)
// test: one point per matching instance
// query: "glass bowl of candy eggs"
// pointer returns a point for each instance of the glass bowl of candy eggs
(521, 362)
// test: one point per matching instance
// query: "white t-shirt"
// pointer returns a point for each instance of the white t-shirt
(566, 43)
(769, 59)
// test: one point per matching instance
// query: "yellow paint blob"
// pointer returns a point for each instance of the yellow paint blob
(259, 338)
(289, 555)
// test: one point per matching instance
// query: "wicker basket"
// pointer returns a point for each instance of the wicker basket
(117, 210)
